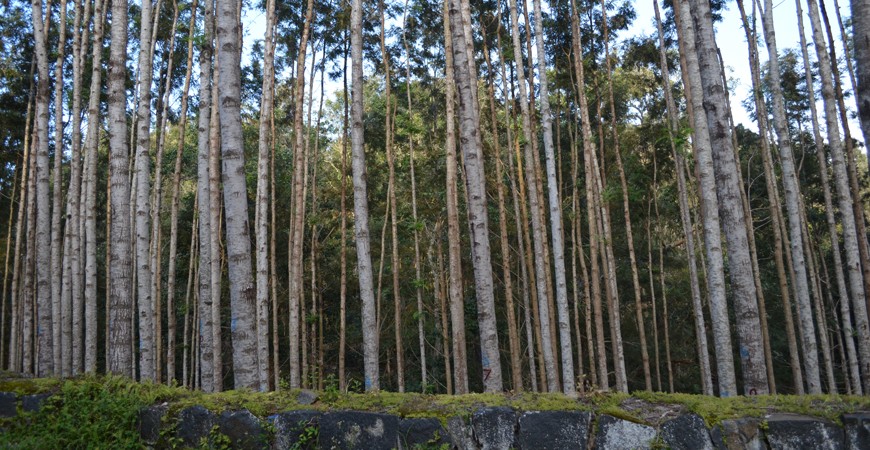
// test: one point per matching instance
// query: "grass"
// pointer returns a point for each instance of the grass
(100, 412)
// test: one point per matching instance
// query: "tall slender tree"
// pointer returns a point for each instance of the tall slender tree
(361, 208)
(465, 77)
(120, 358)
(244, 321)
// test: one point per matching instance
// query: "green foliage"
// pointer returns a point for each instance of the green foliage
(88, 413)
(308, 437)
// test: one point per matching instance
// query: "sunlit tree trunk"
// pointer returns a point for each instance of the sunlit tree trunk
(857, 205)
(44, 355)
(774, 203)
(513, 337)
(298, 211)
(242, 289)
(120, 268)
(541, 278)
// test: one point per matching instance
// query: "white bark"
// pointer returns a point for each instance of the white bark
(144, 299)
(844, 197)
(361, 207)
(261, 213)
(470, 143)
(555, 207)
(793, 207)
(748, 325)
(120, 359)
(712, 238)
(242, 290)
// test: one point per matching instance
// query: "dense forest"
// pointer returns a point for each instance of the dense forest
(442, 197)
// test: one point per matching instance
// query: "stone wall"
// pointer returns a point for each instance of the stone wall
(486, 428)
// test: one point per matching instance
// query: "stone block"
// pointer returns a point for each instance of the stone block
(553, 430)
(793, 432)
(351, 430)
(616, 434)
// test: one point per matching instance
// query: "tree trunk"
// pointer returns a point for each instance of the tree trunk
(536, 219)
(61, 312)
(391, 164)
(261, 212)
(144, 299)
(297, 221)
(90, 222)
(697, 307)
(706, 179)
(730, 202)
(457, 297)
(593, 210)
(625, 205)
(23, 199)
(470, 142)
(513, 337)
(555, 204)
(424, 379)
(342, 333)
(774, 205)
(792, 204)
(361, 207)
(844, 197)
(861, 41)
(120, 359)
(244, 323)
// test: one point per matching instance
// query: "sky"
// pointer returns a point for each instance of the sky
(729, 36)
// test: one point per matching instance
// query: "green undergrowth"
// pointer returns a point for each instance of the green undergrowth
(101, 412)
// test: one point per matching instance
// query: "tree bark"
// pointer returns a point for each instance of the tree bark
(261, 212)
(120, 359)
(173, 220)
(90, 222)
(61, 311)
(244, 323)
(844, 197)
(457, 302)
(710, 211)
(470, 142)
(145, 299)
(541, 278)
(685, 218)
(555, 205)
(361, 208)
(730, 202)
(792, 204)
